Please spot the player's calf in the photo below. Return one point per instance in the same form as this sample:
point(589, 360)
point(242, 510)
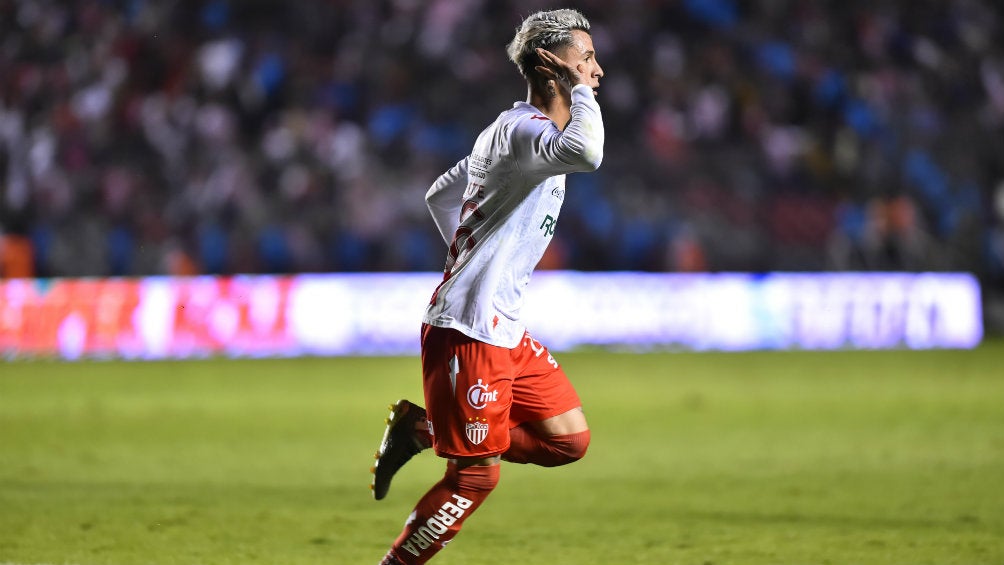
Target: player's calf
point(438, 516)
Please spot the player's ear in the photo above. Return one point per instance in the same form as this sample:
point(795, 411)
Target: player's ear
point(538, 80)
point(533, 61)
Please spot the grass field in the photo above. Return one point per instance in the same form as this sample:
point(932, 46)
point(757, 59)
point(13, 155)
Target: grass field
point(754, 458)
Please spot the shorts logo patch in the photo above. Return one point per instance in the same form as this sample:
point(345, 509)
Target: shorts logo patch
point(477, 430)
point(478, 396)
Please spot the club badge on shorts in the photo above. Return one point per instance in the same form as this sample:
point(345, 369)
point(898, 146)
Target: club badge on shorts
point(477, 430)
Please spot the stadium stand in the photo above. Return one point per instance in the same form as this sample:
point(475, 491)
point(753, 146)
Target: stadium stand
point(141, 138)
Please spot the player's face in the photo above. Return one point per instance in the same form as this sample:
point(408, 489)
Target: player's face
point(581, 55)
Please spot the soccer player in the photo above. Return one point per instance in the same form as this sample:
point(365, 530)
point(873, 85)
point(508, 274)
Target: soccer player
point(492, 391)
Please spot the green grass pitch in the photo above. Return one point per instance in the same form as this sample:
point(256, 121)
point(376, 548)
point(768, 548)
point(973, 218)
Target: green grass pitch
point(749, 458)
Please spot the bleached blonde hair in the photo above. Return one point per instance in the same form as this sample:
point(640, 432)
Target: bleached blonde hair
point(547, 30)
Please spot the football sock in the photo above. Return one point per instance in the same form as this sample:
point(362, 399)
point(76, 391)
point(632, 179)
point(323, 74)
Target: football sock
point(440, 513)
point(526, 446)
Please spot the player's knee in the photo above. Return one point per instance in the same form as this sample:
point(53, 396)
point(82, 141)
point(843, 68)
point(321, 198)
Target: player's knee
point(481, 478)
point(569, 448)
point(579, 445)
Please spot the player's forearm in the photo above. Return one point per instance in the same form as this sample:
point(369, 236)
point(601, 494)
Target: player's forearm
point(445, 217)
point(581, 141)
point(445, 197)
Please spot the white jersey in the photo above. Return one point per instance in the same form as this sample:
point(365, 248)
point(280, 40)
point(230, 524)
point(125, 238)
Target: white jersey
point(497, 209)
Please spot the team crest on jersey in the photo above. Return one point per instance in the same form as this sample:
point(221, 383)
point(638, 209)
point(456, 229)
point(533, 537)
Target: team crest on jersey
point(478, 396)
point(477, 430)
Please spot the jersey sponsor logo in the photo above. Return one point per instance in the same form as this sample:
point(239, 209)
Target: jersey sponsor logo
point(437, 525)
point(478, 396)
point(548, 225)
point(476, 430)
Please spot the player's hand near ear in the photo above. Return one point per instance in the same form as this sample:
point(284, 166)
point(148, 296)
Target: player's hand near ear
point(555, 68)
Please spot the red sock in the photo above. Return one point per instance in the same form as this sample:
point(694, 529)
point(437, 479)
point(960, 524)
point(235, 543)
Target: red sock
point(440, 513)
point(527, 447)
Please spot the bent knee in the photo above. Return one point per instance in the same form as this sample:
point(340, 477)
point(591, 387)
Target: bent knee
point(569, 448)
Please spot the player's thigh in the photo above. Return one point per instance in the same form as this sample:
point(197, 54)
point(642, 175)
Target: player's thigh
point(543, 395)
point(571, 422)
point(468, 394)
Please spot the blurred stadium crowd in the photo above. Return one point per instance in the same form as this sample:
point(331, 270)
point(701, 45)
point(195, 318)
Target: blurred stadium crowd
point(142, 137)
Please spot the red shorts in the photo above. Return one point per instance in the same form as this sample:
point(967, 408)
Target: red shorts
point(475, 392)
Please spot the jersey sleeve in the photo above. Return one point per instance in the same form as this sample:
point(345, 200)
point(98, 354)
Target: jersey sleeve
point(542, 149)
point(445, 198)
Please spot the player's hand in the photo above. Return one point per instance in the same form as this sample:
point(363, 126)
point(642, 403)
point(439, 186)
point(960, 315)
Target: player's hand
point(555, 68)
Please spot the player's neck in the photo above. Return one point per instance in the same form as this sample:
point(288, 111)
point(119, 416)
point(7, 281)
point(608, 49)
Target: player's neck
point(557, 108)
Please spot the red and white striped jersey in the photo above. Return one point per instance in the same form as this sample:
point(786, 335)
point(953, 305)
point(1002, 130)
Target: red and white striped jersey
point(497, 210)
